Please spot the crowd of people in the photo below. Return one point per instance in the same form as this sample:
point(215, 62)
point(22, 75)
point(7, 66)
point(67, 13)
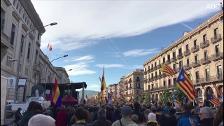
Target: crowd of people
point(121, 115)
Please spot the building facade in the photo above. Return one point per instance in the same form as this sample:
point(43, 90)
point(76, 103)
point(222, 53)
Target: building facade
point(62, 75)
point(132, 85)
point(21, 56)
point(199, 52)
point(113, 90)
point(19, 45)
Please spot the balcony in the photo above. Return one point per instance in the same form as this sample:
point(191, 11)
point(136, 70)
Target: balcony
point(180, 56)
point(216, 39)
point(217, 56)
point(195, 49)
point(205, 60)
point(205, 80)
point(204, 44)
point(173, 59)
point(196, 64)
point(158, 66)
point(187, 67)
point(187, 52)
point(168, 62)
point(218, 78)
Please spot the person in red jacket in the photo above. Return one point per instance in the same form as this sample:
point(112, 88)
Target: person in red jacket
point(61, 117)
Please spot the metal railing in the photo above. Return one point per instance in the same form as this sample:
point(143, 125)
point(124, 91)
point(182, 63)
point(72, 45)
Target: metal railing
point(195, 48)
point(216, 39)
point(187, 52)
point(204, 44)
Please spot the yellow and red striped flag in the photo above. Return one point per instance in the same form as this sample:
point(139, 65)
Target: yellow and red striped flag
point(215, 101)
point(167, 70)
point(186, 85)
point(56, 92)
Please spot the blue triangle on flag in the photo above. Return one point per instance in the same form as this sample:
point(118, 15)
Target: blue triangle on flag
point(181, 75)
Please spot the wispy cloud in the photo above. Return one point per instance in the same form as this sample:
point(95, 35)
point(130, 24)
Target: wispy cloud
point(119, 18)
point(139, 52)
point(110, 65)
point(84, 58)
point(78, 69)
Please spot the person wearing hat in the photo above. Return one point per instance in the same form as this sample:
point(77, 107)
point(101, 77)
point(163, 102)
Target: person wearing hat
point(126, 120)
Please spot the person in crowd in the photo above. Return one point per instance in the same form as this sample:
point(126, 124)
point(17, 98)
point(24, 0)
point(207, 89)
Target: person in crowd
point(138, 111)
point(186, 119)
point(152, 121)
point(218, 120)
point(18, 115)
point(126, 112)
point(135, 118)
point(61, 117)
point(117, 114)
point(33, 109)
point(206, 116)
point(101, 119)
point(41, 120)
point(82, 117)
point(168, 116)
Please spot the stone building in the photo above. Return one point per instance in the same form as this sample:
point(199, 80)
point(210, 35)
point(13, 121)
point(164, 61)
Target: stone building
point(199, 52)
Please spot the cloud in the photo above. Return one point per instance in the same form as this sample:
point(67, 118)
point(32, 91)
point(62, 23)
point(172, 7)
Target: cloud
point(83, 22)
point(78, 69)
point(110, 65)
point(139, 52)
point(85, 58)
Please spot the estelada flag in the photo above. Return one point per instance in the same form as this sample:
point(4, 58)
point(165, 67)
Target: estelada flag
point(186, 85)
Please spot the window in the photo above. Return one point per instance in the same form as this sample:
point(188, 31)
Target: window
point(156, 74)
point(207, 75)
point(196, 58)
point(9, 61)
point(195, 43)
point(197, 76)
point(174, 55)
point(174, 81)
point(159, 72)
point(13, 31)
point(180, 51)
point(180, 64)
point(219, 71)
point(36, 56)
point(164, 83)
point(155, 64)
point(148, 87)
point(188, 62)
point(2, 19)
point(205, 54)
point(168, 57)
point(22, 43)
point(169, 82)
point(204, 37)
point(187, 48)
point(215, 32)
point(216, 49)
point(28, 53)
point(163, 59)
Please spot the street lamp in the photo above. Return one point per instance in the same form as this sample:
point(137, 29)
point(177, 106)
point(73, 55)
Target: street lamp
point(59, 58)
point(17, 78)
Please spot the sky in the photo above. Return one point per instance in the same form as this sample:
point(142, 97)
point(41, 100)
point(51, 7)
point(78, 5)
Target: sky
point(119, 35)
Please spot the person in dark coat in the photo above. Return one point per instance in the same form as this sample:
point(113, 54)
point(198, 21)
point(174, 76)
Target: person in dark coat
point(206, 116)
point(18, 115)
point(33, 109)
point(101, 119)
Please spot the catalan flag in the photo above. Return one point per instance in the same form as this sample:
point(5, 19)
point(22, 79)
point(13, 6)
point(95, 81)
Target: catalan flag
point(186, 85)
point(215, 101)
point(167, 70)
point(56, 95)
